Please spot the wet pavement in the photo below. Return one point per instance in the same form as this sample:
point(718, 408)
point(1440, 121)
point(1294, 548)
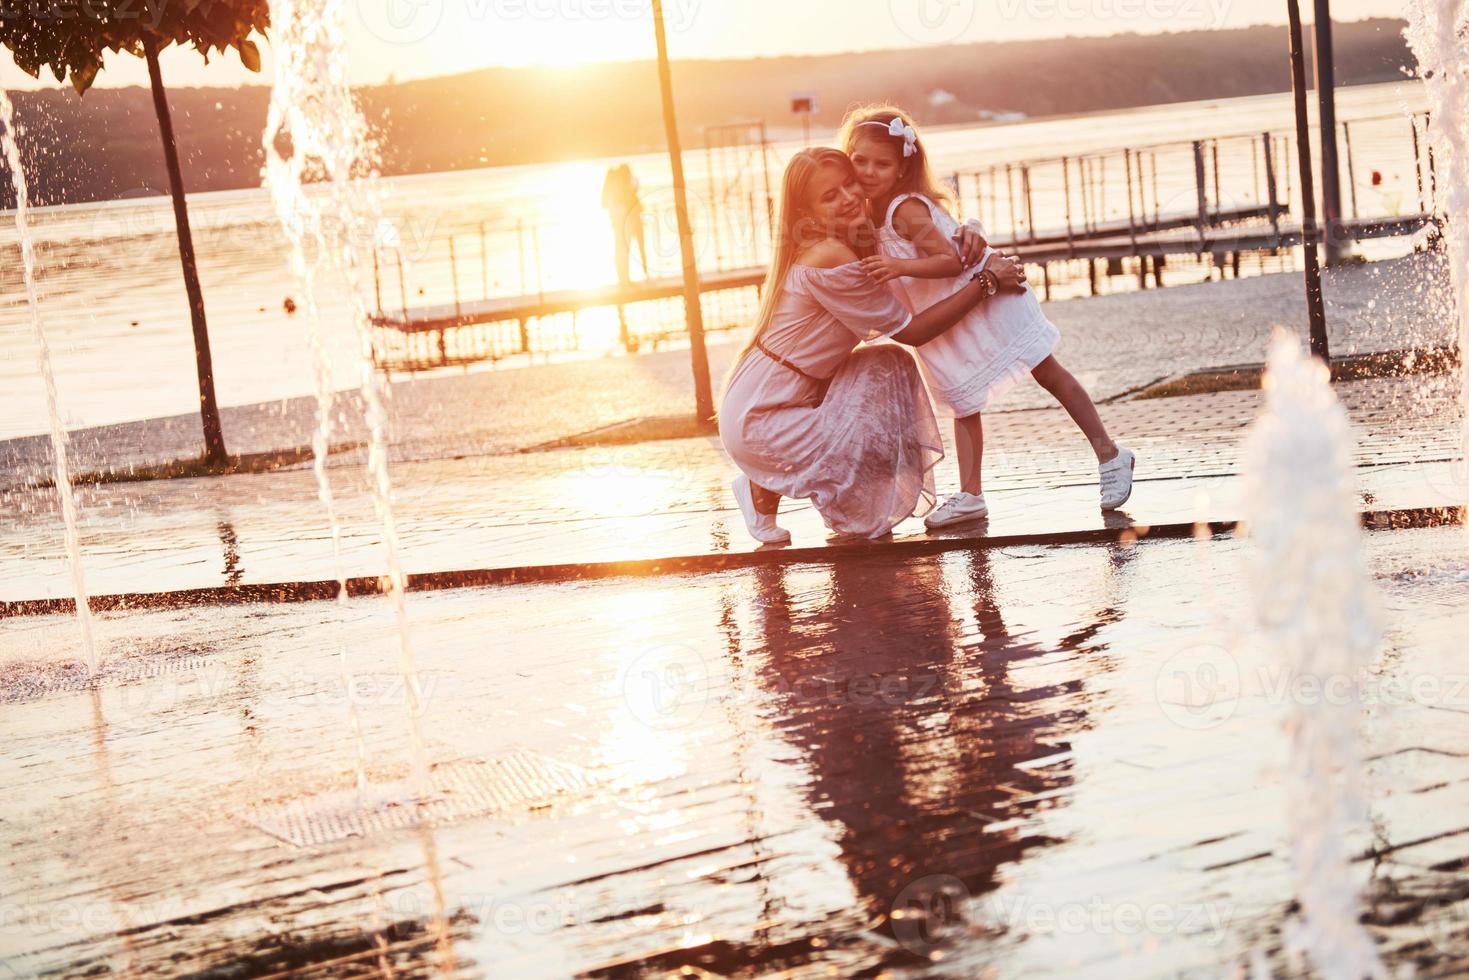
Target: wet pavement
point(1023, 761)
point(969, 755)
point(652, 502)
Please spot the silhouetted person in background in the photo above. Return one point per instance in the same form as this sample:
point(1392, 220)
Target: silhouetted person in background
point(625, 211)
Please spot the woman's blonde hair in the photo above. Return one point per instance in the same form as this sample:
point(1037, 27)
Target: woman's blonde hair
point(793, 231)
point(917, 177)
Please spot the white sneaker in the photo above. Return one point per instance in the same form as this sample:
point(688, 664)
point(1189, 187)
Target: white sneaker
point(958, 509)
point(762, 527)
point(1116, 476)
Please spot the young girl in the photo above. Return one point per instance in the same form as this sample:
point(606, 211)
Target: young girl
point(999, 342)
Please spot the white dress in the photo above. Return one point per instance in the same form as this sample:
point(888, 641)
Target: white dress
point(981, 357)
point(809, 415)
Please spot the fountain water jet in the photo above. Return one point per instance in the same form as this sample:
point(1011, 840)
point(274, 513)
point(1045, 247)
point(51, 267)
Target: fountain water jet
point(1438, 33)
point(314, 114)
point(9, 143)
point(1314, 605)
point(285, 175)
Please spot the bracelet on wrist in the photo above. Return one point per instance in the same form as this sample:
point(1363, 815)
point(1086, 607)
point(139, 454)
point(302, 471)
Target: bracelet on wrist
point(988, 281)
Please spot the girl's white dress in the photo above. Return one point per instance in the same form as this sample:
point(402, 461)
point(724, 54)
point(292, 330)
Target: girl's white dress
point(809, 415)
point(973, 363)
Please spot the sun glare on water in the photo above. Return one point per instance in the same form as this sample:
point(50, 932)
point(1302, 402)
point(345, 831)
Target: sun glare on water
point(576, 246)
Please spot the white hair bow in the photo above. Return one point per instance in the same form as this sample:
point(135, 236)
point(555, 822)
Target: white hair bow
point(910, 139)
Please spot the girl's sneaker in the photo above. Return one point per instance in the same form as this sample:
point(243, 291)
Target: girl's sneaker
point(959, 509)
point(1117, 478)
point(762, 527)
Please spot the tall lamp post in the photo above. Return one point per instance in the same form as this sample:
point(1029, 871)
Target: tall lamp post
point(693, 313)
point(1310, 234)
point(1336, 244)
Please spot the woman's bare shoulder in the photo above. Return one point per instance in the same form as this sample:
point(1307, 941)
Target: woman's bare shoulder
point(827, 254)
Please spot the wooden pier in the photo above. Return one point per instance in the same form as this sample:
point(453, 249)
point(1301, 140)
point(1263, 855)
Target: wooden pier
point(504, 309)
point(1224, 244)
point(1210, 202)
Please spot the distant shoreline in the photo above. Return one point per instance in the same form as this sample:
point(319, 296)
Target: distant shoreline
point(218, 193)
point(457, 122)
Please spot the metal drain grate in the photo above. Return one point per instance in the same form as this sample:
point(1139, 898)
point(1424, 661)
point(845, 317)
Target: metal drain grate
point(29, 681)
point(520, 781)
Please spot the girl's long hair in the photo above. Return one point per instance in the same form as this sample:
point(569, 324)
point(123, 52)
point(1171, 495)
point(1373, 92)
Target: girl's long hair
point(918, 177)
point(794, 229)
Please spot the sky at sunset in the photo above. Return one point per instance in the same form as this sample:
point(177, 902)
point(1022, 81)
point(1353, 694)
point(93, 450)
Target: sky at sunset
point(417, 38)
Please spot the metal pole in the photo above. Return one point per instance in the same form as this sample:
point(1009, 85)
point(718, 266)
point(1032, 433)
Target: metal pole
point(520, 247)
point(1336, 244)
point(1066, 190)
point(769, 197)
point(754, 230)
point(1346, 133)
point(1218, 198)
point(1084, 177)
point(709, 159)
point(377, 284)
point(1432, 168)
point(454, 276)
point(1418, 164)
point(535, 244)
point(1142, 191)
point(484, 264)
point(1131, 220)
point(1255, 170)
point(1270, 187)
point(703, 395)
point(1203, 193)
point(1309, 232)
point(1285, 161)
point(1029, 203)
point(1157, 198)
point(402, 284)
point(1010, 193)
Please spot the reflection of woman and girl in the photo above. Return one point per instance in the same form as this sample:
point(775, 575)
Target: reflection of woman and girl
point(809, 413)
point(905, 692)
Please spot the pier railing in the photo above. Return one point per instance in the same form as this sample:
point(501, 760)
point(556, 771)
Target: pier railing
point(1089, 222)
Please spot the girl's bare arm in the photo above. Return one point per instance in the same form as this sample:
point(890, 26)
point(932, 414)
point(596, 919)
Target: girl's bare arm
point(938, 258)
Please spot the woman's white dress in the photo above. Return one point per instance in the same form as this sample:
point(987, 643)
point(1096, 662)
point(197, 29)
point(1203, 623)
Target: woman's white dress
point(862, 447)
point(981, 357)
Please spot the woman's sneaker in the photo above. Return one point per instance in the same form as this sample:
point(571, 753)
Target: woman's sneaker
point(1116, 476)
point(762, 527)
point(959, 509)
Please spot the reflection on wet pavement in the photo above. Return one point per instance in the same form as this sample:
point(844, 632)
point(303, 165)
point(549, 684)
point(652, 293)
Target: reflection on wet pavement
point(1024, 760)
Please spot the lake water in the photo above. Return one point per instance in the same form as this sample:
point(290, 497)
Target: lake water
point(115, 309)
